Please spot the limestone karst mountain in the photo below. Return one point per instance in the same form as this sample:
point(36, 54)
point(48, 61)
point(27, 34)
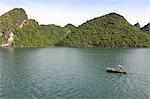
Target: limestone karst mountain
point(110, 30)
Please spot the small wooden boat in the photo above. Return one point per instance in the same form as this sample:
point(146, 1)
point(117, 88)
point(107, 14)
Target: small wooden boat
point(116, 70)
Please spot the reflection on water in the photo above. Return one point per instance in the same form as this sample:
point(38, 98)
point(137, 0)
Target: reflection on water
point(70, 73)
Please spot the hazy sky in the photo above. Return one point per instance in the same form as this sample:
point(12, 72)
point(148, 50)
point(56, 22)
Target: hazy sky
point(61, 12)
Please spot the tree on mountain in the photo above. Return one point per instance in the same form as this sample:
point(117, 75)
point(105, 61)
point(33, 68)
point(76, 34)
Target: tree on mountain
point(137, 25)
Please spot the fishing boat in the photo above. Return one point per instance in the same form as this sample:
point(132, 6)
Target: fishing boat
point(116, 70)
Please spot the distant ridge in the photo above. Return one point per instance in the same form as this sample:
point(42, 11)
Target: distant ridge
point(110, 30)
point(146, 28)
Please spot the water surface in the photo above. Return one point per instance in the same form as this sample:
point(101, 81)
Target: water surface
point(73, 73)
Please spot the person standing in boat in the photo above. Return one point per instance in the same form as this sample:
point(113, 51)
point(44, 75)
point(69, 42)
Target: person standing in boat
point(121, 67)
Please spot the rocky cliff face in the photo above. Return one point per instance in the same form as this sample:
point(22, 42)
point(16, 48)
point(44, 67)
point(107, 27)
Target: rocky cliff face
point(8, 22)
point(9, 38)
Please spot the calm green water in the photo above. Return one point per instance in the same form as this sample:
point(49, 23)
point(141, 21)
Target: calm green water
point(73, 73)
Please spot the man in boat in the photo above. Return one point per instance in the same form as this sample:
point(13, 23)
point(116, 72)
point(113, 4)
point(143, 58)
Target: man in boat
point(121, 67)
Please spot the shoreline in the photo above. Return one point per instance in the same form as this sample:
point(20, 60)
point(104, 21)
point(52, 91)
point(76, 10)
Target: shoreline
point(73, 47)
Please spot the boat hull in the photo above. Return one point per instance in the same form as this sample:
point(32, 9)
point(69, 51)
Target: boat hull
point(116, 70)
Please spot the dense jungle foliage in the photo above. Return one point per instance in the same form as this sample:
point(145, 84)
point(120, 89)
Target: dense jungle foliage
point(110, 30)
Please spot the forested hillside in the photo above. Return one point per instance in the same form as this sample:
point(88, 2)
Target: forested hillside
point(110, 30)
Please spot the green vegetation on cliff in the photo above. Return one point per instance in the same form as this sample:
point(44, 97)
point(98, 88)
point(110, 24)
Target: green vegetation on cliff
point(137, 25)
point(32, 34)
point(28, 33)
point(146, 29)
point(111, 30)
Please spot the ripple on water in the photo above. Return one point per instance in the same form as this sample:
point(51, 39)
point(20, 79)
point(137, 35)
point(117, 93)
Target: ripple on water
point(64, 73)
